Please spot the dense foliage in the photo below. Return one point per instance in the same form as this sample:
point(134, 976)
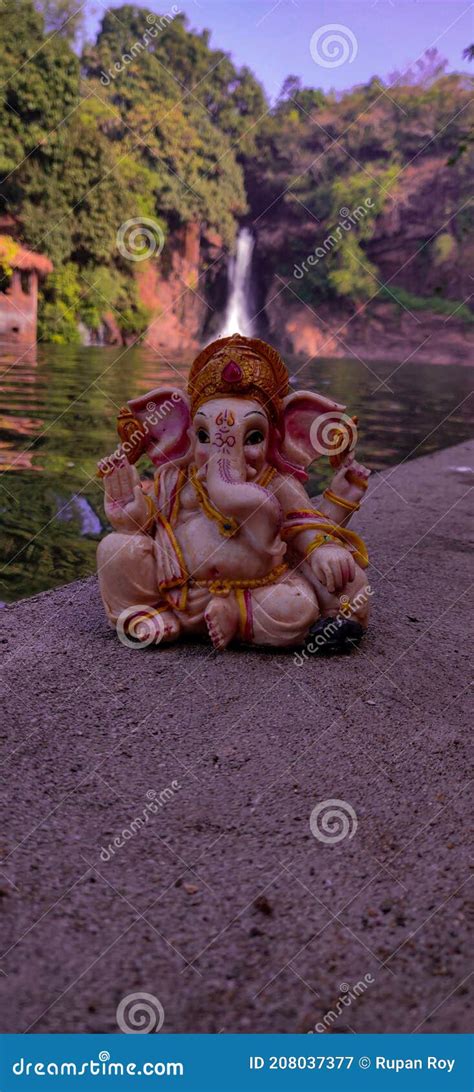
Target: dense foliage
point(153, 122)
point(81, 152)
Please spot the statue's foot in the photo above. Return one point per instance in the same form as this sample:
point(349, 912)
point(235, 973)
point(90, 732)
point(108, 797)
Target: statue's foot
point(159, 628)
point(222, 619)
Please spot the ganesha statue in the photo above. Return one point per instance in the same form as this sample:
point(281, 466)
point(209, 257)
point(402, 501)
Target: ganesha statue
point(228, 545)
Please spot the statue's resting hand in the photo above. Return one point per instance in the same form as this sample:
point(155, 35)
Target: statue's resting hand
point(333, 565)
point(125, 504)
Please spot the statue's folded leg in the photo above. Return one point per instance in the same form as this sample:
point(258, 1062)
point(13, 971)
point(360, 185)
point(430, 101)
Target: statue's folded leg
point(128, 578)
point(281, 614)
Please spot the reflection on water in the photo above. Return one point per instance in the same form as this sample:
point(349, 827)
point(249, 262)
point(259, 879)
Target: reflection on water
point(57, 418)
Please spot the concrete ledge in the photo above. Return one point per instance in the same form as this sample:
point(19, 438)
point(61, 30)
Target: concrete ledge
point(223, 904)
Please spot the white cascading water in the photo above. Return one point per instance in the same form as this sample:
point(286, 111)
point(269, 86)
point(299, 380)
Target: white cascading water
point(238, 315)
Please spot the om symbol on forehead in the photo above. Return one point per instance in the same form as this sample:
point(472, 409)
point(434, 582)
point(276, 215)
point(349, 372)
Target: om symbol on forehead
point(223, 438)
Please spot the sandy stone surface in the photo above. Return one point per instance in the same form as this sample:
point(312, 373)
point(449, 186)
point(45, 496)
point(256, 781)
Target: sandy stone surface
point(224, 905)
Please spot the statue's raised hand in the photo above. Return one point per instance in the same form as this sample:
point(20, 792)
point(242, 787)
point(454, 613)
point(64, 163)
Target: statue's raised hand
point(125, 504)
point(351, 480)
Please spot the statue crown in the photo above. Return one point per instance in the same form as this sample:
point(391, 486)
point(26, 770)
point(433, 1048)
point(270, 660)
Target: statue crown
point(244, 366)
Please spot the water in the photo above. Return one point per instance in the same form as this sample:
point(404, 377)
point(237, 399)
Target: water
point(238, 311)
point(57, 418)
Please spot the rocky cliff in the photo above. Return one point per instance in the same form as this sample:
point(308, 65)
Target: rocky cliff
point(183, 288)
point(423, 252)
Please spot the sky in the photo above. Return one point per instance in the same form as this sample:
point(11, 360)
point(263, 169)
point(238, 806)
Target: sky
point(328, 43)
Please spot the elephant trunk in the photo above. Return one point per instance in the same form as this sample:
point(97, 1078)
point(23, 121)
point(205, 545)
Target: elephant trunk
point(247, 502)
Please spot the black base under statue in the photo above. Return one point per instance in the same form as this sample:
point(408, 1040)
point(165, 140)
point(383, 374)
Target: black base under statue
point(331, 635)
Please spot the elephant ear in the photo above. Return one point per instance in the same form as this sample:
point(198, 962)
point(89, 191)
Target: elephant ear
point(310, 426)
point(157, 423)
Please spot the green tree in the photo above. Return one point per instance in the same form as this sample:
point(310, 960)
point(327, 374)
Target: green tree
point(63, 17)
point(40, 88)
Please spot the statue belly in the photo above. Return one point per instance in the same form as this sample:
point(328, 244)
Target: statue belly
point(209, 555)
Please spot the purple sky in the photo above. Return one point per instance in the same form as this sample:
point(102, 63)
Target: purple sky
point(273, 36)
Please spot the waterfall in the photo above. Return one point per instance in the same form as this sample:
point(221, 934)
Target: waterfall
point(237, 318)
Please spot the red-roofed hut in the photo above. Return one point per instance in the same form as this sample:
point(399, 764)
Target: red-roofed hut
point(20, 270)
